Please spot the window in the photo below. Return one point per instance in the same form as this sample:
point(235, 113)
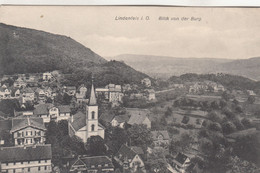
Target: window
point(93, 127)
point(39, 161)
point(28, 162)
point(26, 133)
point(29, 169)
point(31, 133)
point(39, 168)
point(35, 133)
point(14, 171)
point(45, 161)
point(45, 167)
point(14, 163)
point(93, 114)
point(21, 162)
point(22, 134)
point(6, 164)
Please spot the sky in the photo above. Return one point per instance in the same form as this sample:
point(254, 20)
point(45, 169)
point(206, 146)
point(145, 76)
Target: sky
point(232, 33)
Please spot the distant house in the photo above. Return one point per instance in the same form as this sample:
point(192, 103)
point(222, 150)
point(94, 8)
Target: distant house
point(182, 162)
point(47, 76)
point(251, 92)
point(19, 83)
point(70, 90)
point(81, 94)
point(120, 120)
point(150, 94)
point(28, 94)
point(50, 112)
point(111, 93)
point(5, 93)
point(36, 159)
point(178, 86)
point(129, 158)
point(97, 164)
point(160, 137)
point(146, 82)
point(138, 116)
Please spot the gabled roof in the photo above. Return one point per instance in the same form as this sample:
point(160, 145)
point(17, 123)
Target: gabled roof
point(64, 108)
point(164, 133)
point(126, 152)
point(79, 121)
point(137, 150)
point(42, 109)
point(107, 117)
point(20, 153)
point(122, 118)
point(137, 119)
point(20, 123)
point(94, 162)
point(181, 158)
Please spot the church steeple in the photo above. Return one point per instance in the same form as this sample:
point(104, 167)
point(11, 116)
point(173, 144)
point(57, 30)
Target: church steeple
point(92, 98)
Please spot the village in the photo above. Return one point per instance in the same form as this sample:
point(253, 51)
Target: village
point(46, 126)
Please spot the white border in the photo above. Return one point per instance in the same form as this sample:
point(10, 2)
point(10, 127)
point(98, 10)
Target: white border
point(202, 3)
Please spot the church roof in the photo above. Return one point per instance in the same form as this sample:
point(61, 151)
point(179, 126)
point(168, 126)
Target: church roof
point(79, 121)
point(92, 99)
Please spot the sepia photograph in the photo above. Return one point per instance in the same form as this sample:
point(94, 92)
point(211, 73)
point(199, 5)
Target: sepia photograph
point(129, 89)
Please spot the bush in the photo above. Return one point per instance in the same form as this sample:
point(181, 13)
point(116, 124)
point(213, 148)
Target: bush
point(185, 120)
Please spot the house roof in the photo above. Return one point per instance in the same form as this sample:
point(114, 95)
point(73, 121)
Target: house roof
point(122, 118)
point(107, 117)
point(181, 158)
point(42, 109)
point(164, 133)
point(20, 153)
point(94, 162)
point(126, 152)
point(27, 90)
point(79, 121)
point(137, 150)
point(64, 108)
point(20, 123)
point(137, 116)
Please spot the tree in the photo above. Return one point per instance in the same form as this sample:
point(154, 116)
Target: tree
point(140, 135)
point(156, 162)
point(215, 116)
point(215, 127)
point(118, 137)
point(168, 112)
point(185, 120)
point(251, 99)
point(228, 127)
point(95, 146)
point(246, 122)
point(237, 165)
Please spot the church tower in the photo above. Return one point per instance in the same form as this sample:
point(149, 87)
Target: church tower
point(92, 115)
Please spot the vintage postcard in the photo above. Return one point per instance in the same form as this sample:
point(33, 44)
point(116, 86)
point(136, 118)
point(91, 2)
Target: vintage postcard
point(129, 89)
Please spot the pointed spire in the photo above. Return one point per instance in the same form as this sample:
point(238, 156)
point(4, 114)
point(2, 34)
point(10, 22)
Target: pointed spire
point(92, 98)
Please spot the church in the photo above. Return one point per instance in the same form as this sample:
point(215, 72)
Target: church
point(86, 125)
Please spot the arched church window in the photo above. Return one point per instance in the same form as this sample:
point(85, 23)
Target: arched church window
point(92, 127)
point(93, 114)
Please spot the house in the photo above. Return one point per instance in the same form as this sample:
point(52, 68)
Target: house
point(41, 97)
point(47, 76)
point(19, 83)
point(128, 157)
point(160, 137)
point(138, 116)
point(81, 94)
point(146, 82)
point(181, 162)
point(120, 120)
point(50, 112)
point(115, 93)
point(111, 92)
point(28, 94)
point(28, 131)
point(250, 92)
point(35, 159)
point(149, 94)
point(70, 90)
point(97, 164)
point(5, 93)
point(86, 125)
